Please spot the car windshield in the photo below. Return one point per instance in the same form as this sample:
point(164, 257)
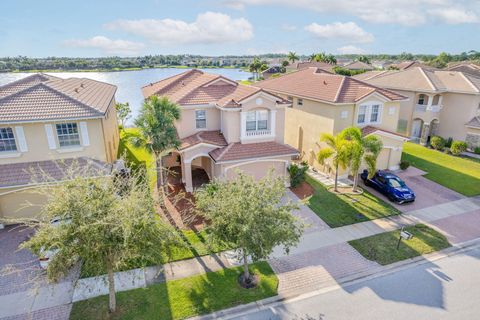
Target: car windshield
point(396, 182)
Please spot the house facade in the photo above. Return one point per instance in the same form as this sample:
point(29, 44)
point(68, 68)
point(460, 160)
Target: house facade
point(329, 103)
point(443, 103)
point(225, 127)
point(47, 125)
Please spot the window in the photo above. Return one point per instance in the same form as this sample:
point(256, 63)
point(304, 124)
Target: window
point(300, 102)
point(374, 113)
point(200, 119)
point(67, 134)
point(421, 99)
point(7, 140)
point(257, 120)
point(362, 112)
point(344, 115)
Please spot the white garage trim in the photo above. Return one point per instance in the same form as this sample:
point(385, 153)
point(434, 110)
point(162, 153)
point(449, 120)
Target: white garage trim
point(260, 159)
point(225, 170)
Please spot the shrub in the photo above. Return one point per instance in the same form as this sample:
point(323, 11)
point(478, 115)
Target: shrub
point(448, 142)
point(437, 142)
point(297, 174)
point(458, 147)
point(446, 150)
point(476, 150)
point(404, 164)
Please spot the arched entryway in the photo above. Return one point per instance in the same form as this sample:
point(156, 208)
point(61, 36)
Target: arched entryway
point(416, 132)
point(197, 171)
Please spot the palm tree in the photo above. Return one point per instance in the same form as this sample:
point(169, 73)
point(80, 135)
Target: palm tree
point(292, 57)
point(337, 150)
point(156, 123)
point(361, 149)
point(312, 57)
point(255, 67)
point(331, 59)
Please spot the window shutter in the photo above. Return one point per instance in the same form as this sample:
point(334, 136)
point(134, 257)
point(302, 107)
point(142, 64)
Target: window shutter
point(22, 142)
point(50, 137)
point(84, 132)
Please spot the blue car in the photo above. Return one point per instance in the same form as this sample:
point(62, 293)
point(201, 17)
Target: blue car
point(390, 185)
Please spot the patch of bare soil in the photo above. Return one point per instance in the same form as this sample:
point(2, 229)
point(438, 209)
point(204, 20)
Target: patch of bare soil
point(303, 190)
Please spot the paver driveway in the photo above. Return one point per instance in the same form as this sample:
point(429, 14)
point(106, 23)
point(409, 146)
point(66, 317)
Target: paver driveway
point(428, 193)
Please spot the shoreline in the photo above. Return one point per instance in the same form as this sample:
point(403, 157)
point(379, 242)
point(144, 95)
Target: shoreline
point(115, 69)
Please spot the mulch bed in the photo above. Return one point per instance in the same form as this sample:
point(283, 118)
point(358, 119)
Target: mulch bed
point(303, 190)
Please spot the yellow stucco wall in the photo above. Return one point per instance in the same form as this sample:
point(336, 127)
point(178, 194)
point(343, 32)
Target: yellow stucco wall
point(458, 109)
point(20, 203)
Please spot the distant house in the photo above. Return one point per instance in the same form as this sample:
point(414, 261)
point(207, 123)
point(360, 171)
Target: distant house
point(273, 70)
point(310, 64)
point(465, 67)
point(405, 65)
point(358, 65)
point(442, 102)
point(47, 124)
point(225, 127)
point(328, 103)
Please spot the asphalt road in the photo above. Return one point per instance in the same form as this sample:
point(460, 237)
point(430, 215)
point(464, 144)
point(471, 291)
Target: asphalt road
point(448, 288)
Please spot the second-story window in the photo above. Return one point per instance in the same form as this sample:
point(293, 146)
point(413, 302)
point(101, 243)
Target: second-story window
point(7, 140)
point(375, 112)
point(200, 119)
point(421, 99)
point(362, 112)
point(300, 102)
point(67, 134)
point(257, 120)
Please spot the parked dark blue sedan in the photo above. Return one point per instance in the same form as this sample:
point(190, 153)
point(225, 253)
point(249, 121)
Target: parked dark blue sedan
point(390, 185)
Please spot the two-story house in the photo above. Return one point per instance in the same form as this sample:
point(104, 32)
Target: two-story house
point(47, 125)
point(328, 103)
point(442, 102)
point(224, 127)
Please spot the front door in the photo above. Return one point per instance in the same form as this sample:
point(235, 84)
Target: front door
point(417, 129)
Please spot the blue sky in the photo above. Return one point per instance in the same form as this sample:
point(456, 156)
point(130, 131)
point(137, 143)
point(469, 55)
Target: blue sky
point(216, 27)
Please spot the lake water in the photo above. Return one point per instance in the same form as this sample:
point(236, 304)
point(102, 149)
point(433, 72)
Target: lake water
point(130, 82)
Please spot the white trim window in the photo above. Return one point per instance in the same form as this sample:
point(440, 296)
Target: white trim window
point(200, 119)
point(7, 140)
point(369, 114)
point(67, 134)
point(300, 102)
point(257, 120)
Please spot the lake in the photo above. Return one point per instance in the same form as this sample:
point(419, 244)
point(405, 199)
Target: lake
point(130, 82)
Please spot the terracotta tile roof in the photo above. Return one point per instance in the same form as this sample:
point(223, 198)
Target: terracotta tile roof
point(211, 137)
point(42, 97)
point(240, 151)
point(312, 64)
point(425, 79)
point(371, 129)
point(314, 84)
point(196, 87)
point(474, 122)
point(20, 174)
point(411, 64)
point(358, 65)
point(468, 68)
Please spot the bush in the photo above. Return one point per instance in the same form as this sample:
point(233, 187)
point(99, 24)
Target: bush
point(437, 142)
point(476, 150)
point(448, 142)
point(458, 147)
point(404, 164)
point(297, 174)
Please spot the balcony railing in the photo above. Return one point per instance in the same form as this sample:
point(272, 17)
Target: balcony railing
point(257, 133)
point(425, 108)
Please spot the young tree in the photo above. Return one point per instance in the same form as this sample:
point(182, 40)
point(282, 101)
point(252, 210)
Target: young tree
point(336, 150)
point(123, 112)
point(105, 222)
point(364, 59)
point(156, 123)
point(361, 149)
point(250, 215)
point(292, 57)
point(255, 67)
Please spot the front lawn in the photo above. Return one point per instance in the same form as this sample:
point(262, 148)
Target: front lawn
point(340, 210)
point(382, 248)
point(183, 298)
point(461, 174)
point(195, 245)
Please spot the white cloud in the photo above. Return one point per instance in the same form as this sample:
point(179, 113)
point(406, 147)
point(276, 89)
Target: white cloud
point(232, 4)
point(350, 49)
point(454, 15)
point(123, 47)
point(348, 31)
point(209, 27)
point(403, 12)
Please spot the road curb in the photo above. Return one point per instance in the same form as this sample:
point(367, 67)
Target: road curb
point(343, 282)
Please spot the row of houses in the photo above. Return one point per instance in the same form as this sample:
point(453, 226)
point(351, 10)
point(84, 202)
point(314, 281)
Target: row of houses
point(46, 123)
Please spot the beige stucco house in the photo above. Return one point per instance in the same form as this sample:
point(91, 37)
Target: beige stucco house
point(46, 125)
point(441, 102)
point(328, 103)
point(224, 127)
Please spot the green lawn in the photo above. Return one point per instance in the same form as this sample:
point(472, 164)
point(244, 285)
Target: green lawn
point(195, 245)
point(382, 248)
point(460, 174)
point(179, 299)
point(340, 210)
point(137, 158)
